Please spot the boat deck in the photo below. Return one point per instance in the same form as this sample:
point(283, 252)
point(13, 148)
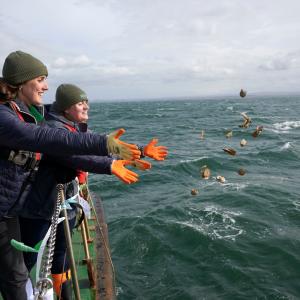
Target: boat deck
point(100, 256)
point(95, 279)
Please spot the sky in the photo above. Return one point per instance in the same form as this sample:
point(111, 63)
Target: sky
point(148, 49)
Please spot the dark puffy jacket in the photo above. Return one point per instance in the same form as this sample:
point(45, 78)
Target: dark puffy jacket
point(18, 135)
point(41, 198)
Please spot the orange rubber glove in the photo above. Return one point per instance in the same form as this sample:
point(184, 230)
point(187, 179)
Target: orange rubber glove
point(118, 169)
point(157, 153)
point(124, 150)
point(141, 164)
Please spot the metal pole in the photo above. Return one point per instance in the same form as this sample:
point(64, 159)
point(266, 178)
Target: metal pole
point(70, 251)
point(88, 260)
point(86, 197)
point(87, 230)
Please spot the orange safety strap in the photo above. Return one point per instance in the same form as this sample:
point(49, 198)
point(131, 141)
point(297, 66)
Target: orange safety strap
point(71, 128)
point(14, 107)
point(81, 175)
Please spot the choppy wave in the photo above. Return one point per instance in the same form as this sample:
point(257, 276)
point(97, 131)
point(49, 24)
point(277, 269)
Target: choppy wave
point(216, 223)
point(165, 239)
point(277, 154)
point(119, 290)
point(235, 186)
point(297, 204)
point(287, 145)
point(193, 160)
point(156, 115)
point(286, 126)
point(167, 109)
point(228, 186)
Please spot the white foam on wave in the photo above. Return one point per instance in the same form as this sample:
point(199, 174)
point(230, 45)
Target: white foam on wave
point(229, 108)
point(286, 126)
point(157, 115)
point(167, 109)
point(297, 204)
point(286, 146)
point(232, 186)
point(235, 186)
point(228, 185)
point(119, 290)
point(215, 223)
point(193, 160)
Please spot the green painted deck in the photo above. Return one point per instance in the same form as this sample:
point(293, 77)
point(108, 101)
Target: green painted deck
point(99, 252)
point(79, 254)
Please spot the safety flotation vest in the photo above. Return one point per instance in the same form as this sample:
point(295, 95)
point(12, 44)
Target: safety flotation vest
point(27, 159)
point(81, 175)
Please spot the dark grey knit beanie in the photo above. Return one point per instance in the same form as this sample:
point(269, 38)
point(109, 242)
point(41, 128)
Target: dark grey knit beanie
point(66, 96)
point(20, 67)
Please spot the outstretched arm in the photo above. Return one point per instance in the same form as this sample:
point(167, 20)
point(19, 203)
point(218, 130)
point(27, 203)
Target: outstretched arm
point(87, 163)
point(18, 135)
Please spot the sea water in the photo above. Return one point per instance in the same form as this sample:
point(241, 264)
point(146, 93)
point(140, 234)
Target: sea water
point(237, 240)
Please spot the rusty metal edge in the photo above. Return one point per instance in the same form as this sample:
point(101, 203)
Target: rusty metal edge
point(105, 285)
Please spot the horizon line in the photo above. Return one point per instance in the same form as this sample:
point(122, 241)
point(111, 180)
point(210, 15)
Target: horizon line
point(209, 96)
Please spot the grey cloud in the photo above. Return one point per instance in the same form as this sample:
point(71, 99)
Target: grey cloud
point(281, 63)
point(163, 47)
point(73, 63)
point(275, 65)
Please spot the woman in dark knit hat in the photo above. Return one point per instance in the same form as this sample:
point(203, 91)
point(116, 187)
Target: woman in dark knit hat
point(21, 141)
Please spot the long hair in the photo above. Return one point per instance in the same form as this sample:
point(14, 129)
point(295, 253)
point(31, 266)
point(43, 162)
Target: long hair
point(7, 91)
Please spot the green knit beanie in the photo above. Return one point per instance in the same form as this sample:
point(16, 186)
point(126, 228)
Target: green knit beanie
point(66, 96)
point(20, 67)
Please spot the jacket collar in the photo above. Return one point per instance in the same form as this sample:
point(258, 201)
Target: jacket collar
point(24, 108)
point(82, 127)
point(61, 118)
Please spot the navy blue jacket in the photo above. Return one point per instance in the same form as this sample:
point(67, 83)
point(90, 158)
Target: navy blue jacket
point(18, 135)
point(39, 203)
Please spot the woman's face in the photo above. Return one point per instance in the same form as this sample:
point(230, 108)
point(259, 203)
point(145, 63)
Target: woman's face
point(78, 112)
point(32, 91)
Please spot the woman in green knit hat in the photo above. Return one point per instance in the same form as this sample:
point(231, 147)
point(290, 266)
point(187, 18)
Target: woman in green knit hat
point(24, 77)
point(67, 113)
point(28, 75)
